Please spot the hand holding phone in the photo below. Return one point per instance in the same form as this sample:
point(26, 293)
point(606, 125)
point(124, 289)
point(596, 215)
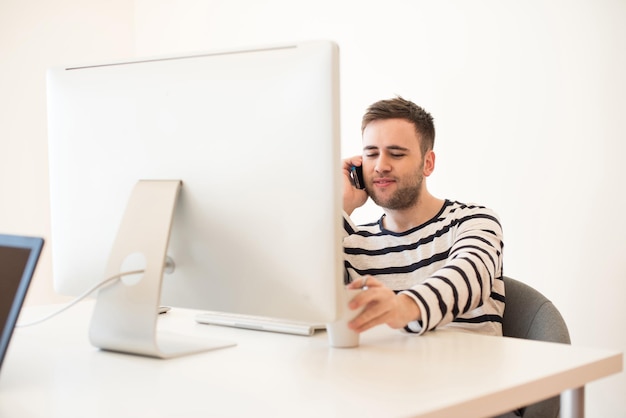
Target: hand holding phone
point(356, 174)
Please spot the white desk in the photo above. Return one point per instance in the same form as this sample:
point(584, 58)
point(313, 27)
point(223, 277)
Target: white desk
point(51, 370)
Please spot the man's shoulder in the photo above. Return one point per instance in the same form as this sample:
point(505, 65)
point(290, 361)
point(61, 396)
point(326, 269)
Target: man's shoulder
point(456, 206)
point(459, 210)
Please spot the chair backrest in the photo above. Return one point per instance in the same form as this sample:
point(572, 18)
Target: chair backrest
point(530, 315)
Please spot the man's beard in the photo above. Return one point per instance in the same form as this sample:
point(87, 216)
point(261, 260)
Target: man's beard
point(404, 197)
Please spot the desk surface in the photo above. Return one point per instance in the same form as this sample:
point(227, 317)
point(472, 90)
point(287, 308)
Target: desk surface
point(51, 370)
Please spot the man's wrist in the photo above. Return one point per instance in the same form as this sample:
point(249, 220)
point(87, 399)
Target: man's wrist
point(410, 308)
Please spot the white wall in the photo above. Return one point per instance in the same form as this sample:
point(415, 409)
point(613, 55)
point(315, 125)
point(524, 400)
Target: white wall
point(528, 99)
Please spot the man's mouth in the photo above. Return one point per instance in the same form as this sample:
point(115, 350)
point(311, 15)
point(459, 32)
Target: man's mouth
point(383, 182)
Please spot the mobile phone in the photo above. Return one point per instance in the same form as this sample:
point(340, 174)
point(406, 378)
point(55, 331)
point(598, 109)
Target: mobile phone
point(356, 173)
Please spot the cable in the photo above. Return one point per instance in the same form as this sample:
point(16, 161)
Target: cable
point(79, 298)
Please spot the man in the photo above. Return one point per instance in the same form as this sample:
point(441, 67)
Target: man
point(427, 262)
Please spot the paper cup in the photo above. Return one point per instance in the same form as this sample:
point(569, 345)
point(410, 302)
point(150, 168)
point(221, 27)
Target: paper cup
point(339, 335)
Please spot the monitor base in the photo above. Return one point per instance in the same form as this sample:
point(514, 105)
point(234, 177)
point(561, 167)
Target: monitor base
point(125, 316)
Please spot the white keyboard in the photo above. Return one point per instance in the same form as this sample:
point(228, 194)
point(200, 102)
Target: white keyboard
point(260, 323)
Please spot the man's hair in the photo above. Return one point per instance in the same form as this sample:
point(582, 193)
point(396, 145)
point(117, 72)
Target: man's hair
point(399, 108)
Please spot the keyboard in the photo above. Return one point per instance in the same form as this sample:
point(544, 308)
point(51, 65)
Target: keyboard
point(260, 323)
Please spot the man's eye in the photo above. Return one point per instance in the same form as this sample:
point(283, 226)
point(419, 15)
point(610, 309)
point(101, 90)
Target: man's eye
point(370, 154)
point(396, 155)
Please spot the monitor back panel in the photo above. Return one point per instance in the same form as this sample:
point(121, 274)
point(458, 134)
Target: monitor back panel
point(254, 137)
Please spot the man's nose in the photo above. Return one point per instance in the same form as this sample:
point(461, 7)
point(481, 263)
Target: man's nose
point(382, 165)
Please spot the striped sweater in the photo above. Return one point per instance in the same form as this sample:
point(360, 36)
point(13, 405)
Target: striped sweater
point(451, 266)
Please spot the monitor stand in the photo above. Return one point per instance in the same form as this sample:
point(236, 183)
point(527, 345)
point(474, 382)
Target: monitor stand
point(126, 311)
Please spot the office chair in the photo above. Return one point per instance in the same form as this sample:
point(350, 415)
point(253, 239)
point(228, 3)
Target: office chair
point(530, 315)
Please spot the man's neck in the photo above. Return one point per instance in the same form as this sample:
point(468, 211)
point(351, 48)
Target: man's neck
point(424, 210)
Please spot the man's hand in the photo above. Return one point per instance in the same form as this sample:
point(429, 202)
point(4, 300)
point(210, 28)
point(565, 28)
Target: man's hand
point(352, 197)
point(382, 306)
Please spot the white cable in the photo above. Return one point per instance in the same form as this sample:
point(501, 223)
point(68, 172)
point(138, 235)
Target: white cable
point(81, 297)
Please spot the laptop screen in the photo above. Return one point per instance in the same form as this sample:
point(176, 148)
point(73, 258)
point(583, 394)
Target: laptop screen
point(18, 259)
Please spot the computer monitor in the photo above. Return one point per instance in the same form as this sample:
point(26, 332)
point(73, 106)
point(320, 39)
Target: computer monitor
point(252, 134)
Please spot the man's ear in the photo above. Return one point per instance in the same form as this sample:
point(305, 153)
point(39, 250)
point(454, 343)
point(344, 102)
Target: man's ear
point(429, 163)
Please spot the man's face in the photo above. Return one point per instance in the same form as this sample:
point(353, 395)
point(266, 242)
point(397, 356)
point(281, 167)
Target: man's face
point(393, 166)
